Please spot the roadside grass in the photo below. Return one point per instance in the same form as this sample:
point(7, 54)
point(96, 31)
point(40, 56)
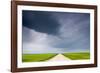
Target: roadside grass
point(77, 55)
point(37, 57)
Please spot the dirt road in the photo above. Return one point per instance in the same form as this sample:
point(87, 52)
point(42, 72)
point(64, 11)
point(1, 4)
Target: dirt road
point(59, 57)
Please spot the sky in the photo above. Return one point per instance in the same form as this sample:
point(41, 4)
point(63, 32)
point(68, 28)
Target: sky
point(55, 32)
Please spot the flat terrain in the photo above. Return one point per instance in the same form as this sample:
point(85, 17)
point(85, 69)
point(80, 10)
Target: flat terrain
point(77, 55)
point(55, 57)
point(36, 57)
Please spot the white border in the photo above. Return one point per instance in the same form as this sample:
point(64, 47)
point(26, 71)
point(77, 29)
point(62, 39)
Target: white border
point(55, 63)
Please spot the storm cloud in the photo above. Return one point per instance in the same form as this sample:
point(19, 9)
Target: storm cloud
point(55, 32)
point(40, 21)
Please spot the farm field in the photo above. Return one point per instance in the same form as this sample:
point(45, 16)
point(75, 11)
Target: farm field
point(37, 57)
point(77, 55)
point(48, 56)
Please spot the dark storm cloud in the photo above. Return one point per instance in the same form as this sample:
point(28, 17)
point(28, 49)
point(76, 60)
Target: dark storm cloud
point(56, 32)
point(40, 21)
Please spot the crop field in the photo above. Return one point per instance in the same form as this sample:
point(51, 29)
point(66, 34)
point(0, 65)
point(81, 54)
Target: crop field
point(77, 55)
point(36, 57)
point(44, 57)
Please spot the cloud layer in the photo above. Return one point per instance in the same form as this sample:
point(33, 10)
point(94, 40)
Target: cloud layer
point(55, 32)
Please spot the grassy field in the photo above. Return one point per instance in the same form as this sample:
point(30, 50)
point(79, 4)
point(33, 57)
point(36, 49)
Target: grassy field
point(36, 57)
point(77, 55)
point(44, 57)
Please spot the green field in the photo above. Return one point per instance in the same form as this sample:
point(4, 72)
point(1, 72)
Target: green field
point(77, 55)
point(44, 57)
point(37, 57)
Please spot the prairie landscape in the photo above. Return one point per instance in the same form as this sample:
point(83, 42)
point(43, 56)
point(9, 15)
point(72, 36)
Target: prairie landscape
point(49, 56)
point(55, 35)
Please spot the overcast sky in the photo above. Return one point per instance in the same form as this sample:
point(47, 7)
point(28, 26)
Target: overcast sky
point(55, 32)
